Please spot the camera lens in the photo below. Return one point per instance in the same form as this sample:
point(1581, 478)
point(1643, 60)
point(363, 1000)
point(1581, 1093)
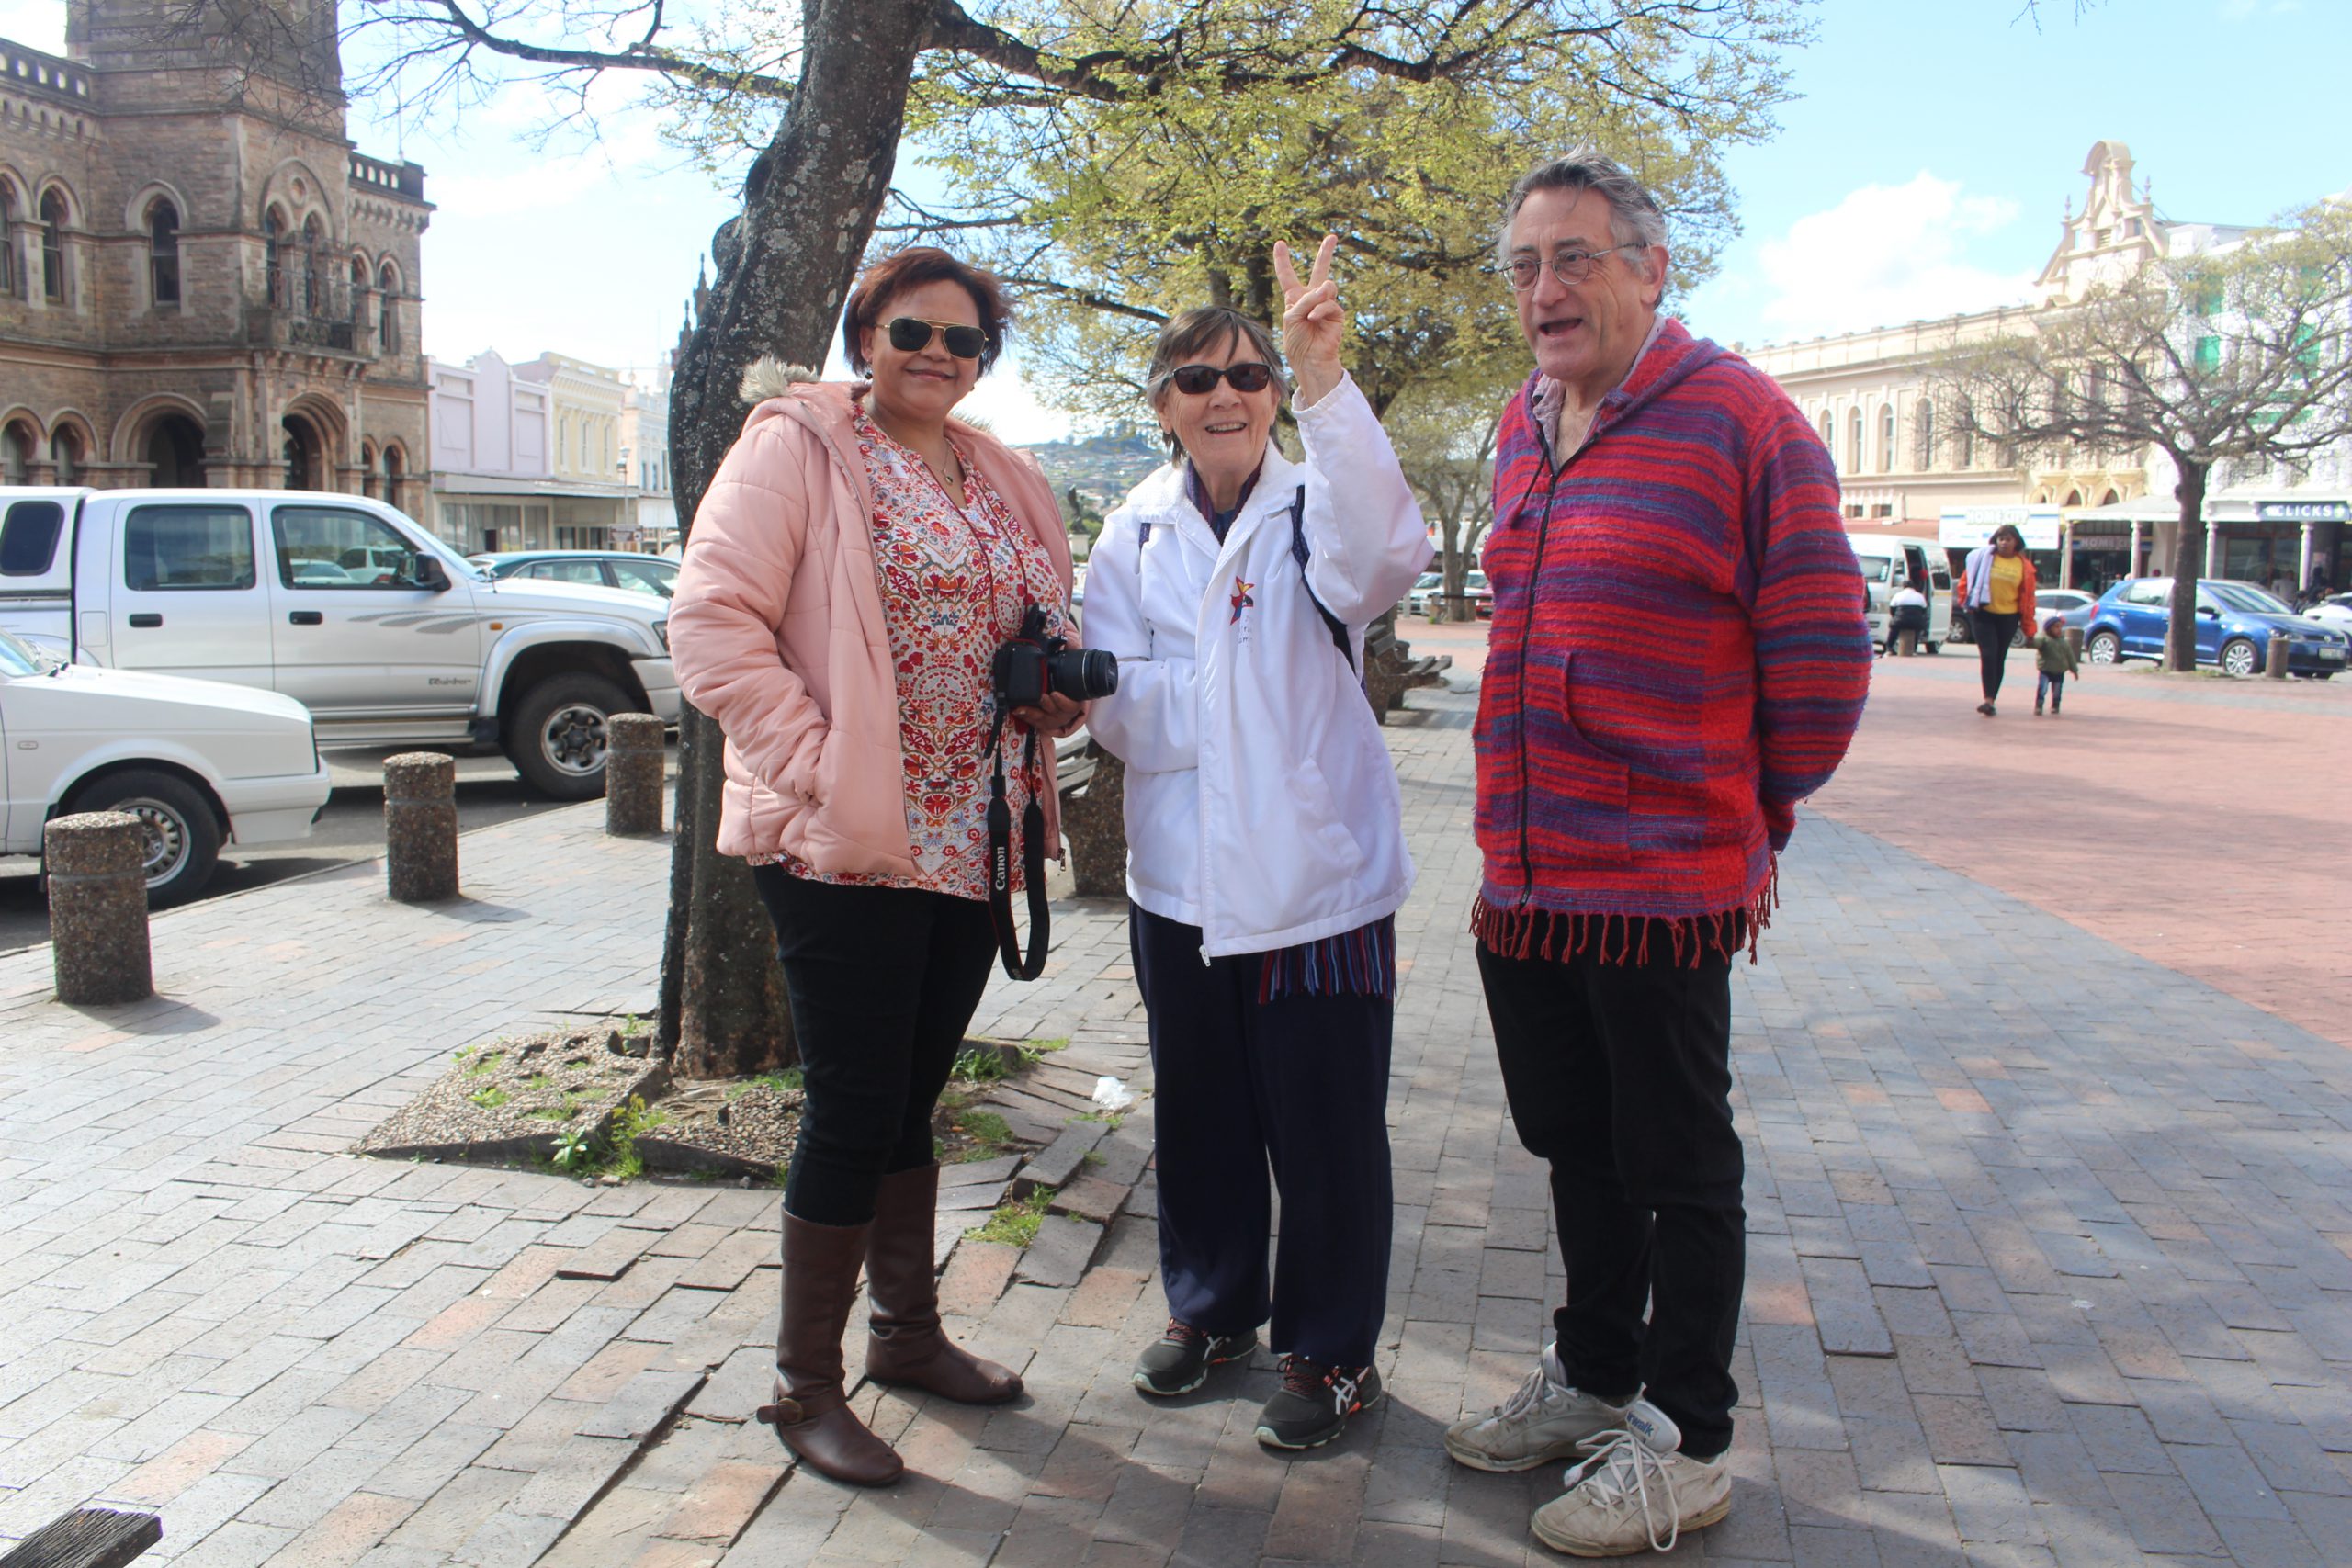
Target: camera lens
point(1083, 675)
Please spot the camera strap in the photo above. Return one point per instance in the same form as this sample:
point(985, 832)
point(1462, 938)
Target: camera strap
point(1033, 861)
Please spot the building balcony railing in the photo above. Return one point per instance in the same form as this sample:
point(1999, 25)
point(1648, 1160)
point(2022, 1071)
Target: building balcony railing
point(44, 75)
point(298, 311)
point(404, 181)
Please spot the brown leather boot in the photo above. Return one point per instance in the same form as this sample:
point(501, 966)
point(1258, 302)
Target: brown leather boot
point(905, 1344)
point(811, 1412)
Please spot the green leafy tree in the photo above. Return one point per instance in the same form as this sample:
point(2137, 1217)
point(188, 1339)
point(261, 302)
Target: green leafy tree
point(1117, 159)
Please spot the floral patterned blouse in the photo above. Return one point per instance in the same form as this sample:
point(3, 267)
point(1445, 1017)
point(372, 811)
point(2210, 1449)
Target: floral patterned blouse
point(956, 576)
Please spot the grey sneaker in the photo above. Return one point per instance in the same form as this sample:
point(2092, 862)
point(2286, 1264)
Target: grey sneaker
point(1632, 1496)
point(1545, 1420)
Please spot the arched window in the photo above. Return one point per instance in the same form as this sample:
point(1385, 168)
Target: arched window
point(163, 252)
point(313, 285)
point(394, 467)
point(388, 314)
point(1854, 443)
point(7, 241)
point(52, 246)
point(272, 258)
point(358, 297)
point(1886, 438)
point(1923, 436)
point(2110, 499)
point(1828, 435)
point(368, 467)
point(2073, 498)
point(15, 453)
point(65, 451)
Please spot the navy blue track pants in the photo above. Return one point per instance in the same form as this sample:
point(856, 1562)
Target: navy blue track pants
point(1298, 1085)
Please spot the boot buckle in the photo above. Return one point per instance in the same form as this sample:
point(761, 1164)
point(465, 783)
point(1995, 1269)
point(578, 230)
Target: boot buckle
point(786, 1412)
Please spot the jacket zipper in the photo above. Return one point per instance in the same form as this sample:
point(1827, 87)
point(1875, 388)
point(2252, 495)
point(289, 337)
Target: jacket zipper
point(1527, 626)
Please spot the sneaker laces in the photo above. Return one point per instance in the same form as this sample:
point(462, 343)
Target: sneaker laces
point(1525, 1398)
point(1183, 1333)
point(1302, 1376)
point(1621, 1469)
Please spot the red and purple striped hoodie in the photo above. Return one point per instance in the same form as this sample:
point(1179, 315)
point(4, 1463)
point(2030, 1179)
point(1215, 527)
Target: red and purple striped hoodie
point(1678, 657)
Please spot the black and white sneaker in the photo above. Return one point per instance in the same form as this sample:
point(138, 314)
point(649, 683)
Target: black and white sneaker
point(1179, 1362)
point(1313, 1406)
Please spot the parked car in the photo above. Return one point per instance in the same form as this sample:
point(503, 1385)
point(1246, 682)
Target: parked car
point(2071, 604)
point(2234, 621)
point(2335, 610)
point(1427, 595)
point(343, 604)
point(200, 763)
point(597, 569)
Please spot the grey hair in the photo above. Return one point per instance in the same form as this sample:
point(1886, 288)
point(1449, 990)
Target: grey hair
point(1634, 216)
point(1194, 333)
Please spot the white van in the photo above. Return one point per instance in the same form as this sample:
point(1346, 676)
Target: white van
point(1887, 563)
point(383, 633)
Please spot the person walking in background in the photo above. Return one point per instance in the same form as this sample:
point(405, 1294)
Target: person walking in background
point(1997, 590)
point(1265, 846)
point(2055, 658)
point(858, 560)
point(1678, 657)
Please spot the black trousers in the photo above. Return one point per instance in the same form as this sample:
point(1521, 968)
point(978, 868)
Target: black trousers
point(883, 982)
point(1619, 1076)
point(1299, 1082)
point(1992, 634)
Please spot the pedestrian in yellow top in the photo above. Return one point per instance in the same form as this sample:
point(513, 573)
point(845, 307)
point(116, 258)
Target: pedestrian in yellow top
point(1997, 587)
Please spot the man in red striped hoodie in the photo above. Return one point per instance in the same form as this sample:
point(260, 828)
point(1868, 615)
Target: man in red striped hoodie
point(1678, 657)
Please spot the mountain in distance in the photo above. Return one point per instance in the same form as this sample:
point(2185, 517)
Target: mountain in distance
point(1093, 474)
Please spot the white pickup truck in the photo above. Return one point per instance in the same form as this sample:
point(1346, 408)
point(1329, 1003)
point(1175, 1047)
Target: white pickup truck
point(386, 635)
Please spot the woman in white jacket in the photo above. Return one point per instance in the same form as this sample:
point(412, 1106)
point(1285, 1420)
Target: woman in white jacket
point(1265, 850)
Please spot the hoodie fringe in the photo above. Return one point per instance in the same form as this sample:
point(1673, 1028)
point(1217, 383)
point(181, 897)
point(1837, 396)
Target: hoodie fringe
point(1525, 931)
point(768, 376)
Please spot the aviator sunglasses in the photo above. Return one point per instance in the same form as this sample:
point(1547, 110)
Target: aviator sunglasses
point(1250, 376)
point(908, 334)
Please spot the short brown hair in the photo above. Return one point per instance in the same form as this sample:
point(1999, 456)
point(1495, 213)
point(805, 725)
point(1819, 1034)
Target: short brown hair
point(912, 268)
point(1194, 333)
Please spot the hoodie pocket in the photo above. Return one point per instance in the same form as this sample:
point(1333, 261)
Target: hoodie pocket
point(1577, 793)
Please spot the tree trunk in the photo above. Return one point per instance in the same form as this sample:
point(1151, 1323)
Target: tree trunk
point(2187, 566)
point(784, 264)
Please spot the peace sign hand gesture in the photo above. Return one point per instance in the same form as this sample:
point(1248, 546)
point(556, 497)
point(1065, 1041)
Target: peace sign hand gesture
point(1312, 323)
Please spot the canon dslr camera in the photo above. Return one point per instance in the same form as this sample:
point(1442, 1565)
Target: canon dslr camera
point(1032, 664)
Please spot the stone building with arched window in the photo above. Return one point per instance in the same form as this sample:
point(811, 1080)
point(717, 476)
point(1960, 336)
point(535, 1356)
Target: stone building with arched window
point(201, 281)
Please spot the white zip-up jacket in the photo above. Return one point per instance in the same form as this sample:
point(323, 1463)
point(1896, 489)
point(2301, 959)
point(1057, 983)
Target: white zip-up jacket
point(1261, 805)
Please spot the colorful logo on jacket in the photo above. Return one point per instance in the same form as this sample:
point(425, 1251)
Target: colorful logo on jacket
point(1241, 600)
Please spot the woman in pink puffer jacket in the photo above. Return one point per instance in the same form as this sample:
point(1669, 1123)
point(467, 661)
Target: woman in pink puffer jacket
point(854, 567)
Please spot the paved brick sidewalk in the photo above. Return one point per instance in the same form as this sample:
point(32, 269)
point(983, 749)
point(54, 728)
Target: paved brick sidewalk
point(2050, 1259)
point(2185, 818)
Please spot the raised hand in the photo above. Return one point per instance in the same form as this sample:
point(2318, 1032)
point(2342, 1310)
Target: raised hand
point(1312, 323)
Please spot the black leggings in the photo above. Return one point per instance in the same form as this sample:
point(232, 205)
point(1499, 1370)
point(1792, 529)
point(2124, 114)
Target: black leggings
point(1992, 634)
point(883, 982)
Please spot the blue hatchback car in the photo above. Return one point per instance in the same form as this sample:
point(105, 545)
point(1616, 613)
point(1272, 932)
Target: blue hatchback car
point(2234, 621)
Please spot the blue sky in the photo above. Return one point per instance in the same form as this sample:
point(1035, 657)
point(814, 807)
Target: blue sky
point(1922, 172)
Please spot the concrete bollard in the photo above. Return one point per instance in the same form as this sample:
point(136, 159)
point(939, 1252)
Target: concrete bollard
point(2278, 669)
point(97, 866)
point(420, 826)
point(2075, 640)
point(1906, 641)
point(633, 767)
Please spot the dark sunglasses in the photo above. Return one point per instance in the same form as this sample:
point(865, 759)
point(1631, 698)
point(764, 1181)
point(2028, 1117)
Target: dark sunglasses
point(1250, 376)
point(908, 334)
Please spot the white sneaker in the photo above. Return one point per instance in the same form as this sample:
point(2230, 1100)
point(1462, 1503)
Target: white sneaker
point(1629, 1497)
point(1545, 1420)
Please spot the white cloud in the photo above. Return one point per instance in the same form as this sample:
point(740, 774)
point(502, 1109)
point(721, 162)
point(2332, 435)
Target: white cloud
point(1885, 255)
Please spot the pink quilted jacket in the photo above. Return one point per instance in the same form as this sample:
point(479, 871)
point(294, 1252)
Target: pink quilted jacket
point(777, 631)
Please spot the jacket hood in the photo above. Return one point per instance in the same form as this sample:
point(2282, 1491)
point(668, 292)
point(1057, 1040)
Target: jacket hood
point(768, 376)
point(1672, 358)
